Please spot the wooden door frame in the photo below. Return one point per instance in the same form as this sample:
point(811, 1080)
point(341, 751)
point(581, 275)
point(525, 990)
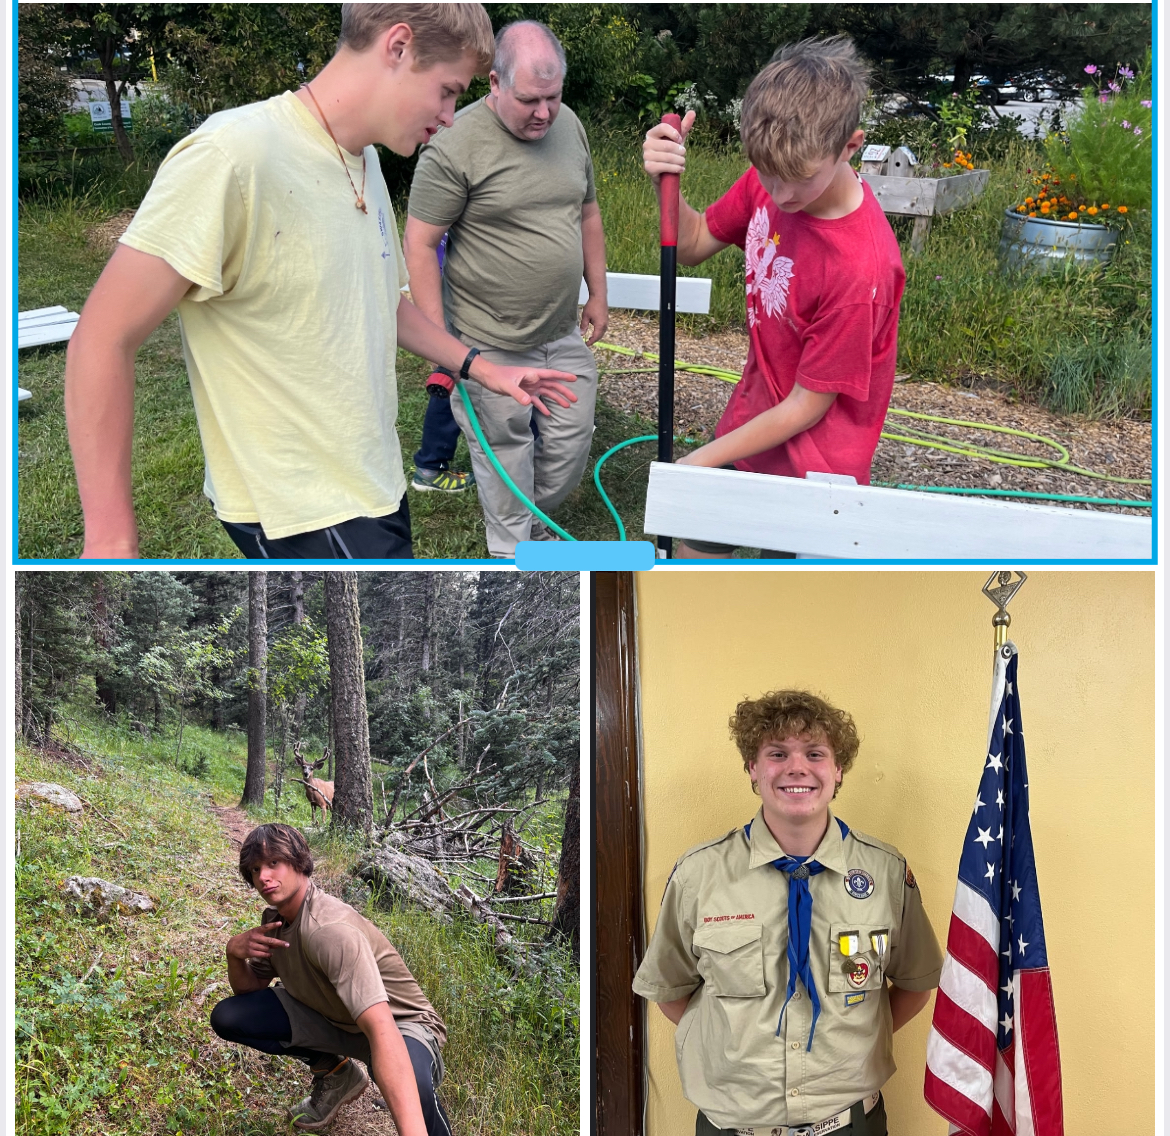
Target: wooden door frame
point(618, 937)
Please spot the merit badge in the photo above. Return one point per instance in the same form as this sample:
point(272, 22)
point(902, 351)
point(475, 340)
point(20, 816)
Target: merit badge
point(879, 940)
point(910, 878)
point(849, 943)
point(853, 999)
point(858, 972)
point(858, 883)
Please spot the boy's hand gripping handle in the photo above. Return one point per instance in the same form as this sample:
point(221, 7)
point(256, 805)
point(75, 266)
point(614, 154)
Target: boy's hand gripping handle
point(668, 197)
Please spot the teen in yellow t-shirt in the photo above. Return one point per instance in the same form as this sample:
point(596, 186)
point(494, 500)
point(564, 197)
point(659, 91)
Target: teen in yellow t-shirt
point(270, 229)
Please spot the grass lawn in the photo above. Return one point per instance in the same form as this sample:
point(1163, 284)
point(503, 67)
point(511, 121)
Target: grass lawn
point(1080, 343)
point(112, 1035)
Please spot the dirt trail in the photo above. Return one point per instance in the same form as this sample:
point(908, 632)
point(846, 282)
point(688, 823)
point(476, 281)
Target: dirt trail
point(360, 1117)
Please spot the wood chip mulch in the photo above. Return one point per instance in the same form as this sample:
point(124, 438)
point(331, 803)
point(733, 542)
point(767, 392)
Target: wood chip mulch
point(103, 237)
point(1119, 448)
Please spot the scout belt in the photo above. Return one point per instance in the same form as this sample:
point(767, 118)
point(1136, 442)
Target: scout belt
point(819, 1128)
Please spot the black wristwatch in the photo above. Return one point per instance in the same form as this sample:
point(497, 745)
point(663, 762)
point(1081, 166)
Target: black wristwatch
point(465, 370)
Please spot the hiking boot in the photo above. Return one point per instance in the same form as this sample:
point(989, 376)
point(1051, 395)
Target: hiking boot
point(441, 480)
point(332, 1088)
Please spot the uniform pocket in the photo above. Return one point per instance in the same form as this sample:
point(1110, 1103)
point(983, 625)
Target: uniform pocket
point(857, 956)
point(731, 959)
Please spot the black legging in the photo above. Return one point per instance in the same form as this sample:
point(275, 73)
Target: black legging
point(259, 1021)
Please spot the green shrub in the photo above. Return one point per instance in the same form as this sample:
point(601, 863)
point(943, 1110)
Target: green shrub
point(1107, 147)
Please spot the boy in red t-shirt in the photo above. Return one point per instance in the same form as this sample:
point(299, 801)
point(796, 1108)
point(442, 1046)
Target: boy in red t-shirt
point(823, 272)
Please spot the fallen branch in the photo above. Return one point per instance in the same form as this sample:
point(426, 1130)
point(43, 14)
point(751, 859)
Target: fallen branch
point(523, 898)
point(521, 918)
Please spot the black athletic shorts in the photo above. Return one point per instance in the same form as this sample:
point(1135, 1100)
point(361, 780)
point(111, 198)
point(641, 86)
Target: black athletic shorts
point(361, 538)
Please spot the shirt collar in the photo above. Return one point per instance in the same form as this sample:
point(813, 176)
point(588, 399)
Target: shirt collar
point(830, 853)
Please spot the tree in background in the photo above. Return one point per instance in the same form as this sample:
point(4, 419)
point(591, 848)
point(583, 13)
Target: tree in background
point(115, 42)
point(257, 688)
point(353, 788)
point(44, 92)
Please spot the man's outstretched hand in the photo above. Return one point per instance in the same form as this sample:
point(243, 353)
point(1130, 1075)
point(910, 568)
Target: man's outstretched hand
point(529, 386)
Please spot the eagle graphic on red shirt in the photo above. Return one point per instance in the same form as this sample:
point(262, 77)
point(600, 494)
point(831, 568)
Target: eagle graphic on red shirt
point(766, 275)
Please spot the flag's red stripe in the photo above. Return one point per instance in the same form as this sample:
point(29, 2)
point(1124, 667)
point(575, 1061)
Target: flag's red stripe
point(999, 1123)
point(951, 1104)
point(965, 1031)
point(1041, 1051)
point(972, 950)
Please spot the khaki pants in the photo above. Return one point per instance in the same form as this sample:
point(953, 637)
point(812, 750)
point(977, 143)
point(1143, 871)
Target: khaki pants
point(546, 468)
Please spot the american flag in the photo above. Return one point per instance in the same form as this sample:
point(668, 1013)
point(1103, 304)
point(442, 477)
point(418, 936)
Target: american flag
point(992, 1061)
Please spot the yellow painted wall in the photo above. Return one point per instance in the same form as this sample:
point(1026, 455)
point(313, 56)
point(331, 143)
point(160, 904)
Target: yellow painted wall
point(909, 655)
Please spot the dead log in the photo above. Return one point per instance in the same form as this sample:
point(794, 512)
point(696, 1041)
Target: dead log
point(412, 879)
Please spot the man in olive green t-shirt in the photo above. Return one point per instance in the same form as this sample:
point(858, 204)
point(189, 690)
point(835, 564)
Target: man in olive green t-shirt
point(789, 950)
point(511, 182)
point(344, 992)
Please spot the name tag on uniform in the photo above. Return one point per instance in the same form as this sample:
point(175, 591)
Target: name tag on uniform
point(853, 999)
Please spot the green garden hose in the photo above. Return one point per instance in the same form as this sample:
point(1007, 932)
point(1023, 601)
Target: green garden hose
point(914, 437)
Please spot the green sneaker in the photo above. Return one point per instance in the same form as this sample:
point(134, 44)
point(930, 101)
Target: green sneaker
point(331, 1089)
point(441, 480)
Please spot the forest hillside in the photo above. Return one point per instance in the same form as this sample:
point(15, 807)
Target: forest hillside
point(473, 763)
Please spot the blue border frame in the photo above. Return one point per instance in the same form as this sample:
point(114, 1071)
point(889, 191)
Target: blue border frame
point(620, 560)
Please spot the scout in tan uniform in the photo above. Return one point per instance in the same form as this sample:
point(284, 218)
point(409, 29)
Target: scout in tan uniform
point(789, 950)
point(344, 992)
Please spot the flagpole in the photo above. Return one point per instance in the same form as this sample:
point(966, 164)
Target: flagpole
point(1001, 595)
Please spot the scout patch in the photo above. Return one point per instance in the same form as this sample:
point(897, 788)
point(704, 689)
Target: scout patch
point(857, 972)
point(859, 883)
point(910, 878)
point(853, 999)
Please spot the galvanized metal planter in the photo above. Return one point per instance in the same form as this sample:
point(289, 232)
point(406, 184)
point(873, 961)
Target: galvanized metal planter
point(1039, 246)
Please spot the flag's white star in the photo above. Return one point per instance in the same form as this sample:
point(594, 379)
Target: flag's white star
point(1007, 724)
point(999, 798)
point(995, 761)
point(1006, 1024)
point(1000, 836)
point(1011, 919)
point(1009, 688)
point(990, 872)
point(1023, 944)
point(978, 802)
point(1015, 891)
point(984, 837)
point(1008, 989)
point(1007, 953)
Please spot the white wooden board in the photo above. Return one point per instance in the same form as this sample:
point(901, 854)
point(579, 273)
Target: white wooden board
point(629, 290)
point(844, 521)
point(49, 333)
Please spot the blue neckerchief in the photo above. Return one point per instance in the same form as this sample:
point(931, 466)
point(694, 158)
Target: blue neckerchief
point(799, 927)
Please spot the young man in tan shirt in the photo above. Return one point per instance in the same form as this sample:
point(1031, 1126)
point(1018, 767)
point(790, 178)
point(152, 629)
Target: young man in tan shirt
point(344, 993)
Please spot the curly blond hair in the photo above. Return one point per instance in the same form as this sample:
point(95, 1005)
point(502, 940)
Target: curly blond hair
point(781, 714)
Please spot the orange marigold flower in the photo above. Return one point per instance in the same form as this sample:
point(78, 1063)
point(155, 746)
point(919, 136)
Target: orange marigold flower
point(1073, 217)
point(1092, 210)
point(1028, 200)
point(1122, 209)
point(1021, 209)
point(1031, 214)
point(1105, 205)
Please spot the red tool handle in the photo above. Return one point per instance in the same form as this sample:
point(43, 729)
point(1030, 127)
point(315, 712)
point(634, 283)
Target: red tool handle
point(668, 197)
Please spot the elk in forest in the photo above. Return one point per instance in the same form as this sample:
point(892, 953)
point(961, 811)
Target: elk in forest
point(318, 792)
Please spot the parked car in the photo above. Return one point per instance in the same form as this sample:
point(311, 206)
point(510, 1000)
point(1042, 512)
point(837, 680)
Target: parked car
point(987, 90)
point(1038, 86)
